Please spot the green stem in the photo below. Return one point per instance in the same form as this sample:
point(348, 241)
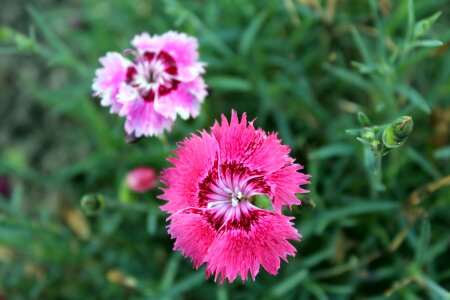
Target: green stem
point(374, 171)
point(377, 175)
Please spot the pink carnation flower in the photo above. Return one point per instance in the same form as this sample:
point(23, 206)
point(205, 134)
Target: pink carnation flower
point(211, 189)
point(161, 81)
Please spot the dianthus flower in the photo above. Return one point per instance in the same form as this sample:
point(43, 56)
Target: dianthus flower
point(153, 84)
point(211, 189)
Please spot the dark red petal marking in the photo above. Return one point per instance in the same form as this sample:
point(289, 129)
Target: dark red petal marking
point(166, 59)
point(149, 96)
point(169, 63)
point(205, 186)
point(244, 222)
point(218, 223)
point(131, 71)
point(172, 70)
point(164, 90)
point(149, 56)
point(169, 67)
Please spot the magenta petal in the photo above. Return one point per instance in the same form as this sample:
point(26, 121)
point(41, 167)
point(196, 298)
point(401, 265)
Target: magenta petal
point(196, 155)
point(238, 251)
point(214, 178)
point(193, 234)
point(285, 184)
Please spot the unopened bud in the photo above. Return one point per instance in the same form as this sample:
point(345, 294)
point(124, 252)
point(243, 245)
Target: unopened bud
point(397, 132)
point(92, 204)
point(363, 119)
point(5, 187)
point(141, 179)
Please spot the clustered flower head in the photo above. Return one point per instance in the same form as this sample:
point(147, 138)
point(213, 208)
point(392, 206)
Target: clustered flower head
point(154, 83)
point(210, 195)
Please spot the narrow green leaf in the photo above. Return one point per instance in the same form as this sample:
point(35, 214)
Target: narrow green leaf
point(423, 241)
point(363, 68)
point(229, 83)
point(434, 287)
point(349, 77)
point(170, 271)
point(152, 222)
point(222, 293)
point(49, 35)
point(288, 284)
point(338, 149)
point(427, 43)
point(415, 98)
point(363, 50)
point(355, 209)
point(250, 32)
point(188, 283)
point(442, 153)
point(353, 131)
point(185, 15)
point(411, 21)
point(423, 162)
point(423, 26)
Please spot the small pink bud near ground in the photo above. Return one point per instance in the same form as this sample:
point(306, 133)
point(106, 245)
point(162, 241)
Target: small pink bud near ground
point(141, 179)
point(5, 187)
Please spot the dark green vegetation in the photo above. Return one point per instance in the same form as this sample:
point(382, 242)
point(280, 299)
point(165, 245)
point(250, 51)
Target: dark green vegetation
point(302, 68)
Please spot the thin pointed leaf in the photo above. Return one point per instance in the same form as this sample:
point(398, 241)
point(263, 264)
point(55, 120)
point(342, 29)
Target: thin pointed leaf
point(249, 34)
point(415, 98)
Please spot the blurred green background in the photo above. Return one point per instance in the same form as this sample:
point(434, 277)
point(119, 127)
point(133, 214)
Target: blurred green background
point(304, 68)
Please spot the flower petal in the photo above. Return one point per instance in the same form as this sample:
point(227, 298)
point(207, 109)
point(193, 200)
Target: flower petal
point(109, 78)
point(143, 120)
point(285, 184)
point(196, 156)
point(182, 47)
point(184, 101)
point(193, 233)
point(144, 42)
point(258, 238)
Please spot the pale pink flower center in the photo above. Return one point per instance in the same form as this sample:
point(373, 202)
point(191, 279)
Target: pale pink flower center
point(152, 74)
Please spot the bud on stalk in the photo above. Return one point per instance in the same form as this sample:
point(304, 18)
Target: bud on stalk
point(92, 204)
point(397, 132)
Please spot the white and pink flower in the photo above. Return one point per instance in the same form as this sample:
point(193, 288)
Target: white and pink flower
point(154, 83)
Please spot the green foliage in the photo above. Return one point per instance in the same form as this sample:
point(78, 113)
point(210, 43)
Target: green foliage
point(306, 69)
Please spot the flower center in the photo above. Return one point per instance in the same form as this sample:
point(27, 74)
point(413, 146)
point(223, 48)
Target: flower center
point(153, 74)
point(226, 196)
point(235, 196)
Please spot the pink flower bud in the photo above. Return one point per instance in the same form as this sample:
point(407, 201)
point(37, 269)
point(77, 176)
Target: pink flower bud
point(5, 188)
point(141, 179)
